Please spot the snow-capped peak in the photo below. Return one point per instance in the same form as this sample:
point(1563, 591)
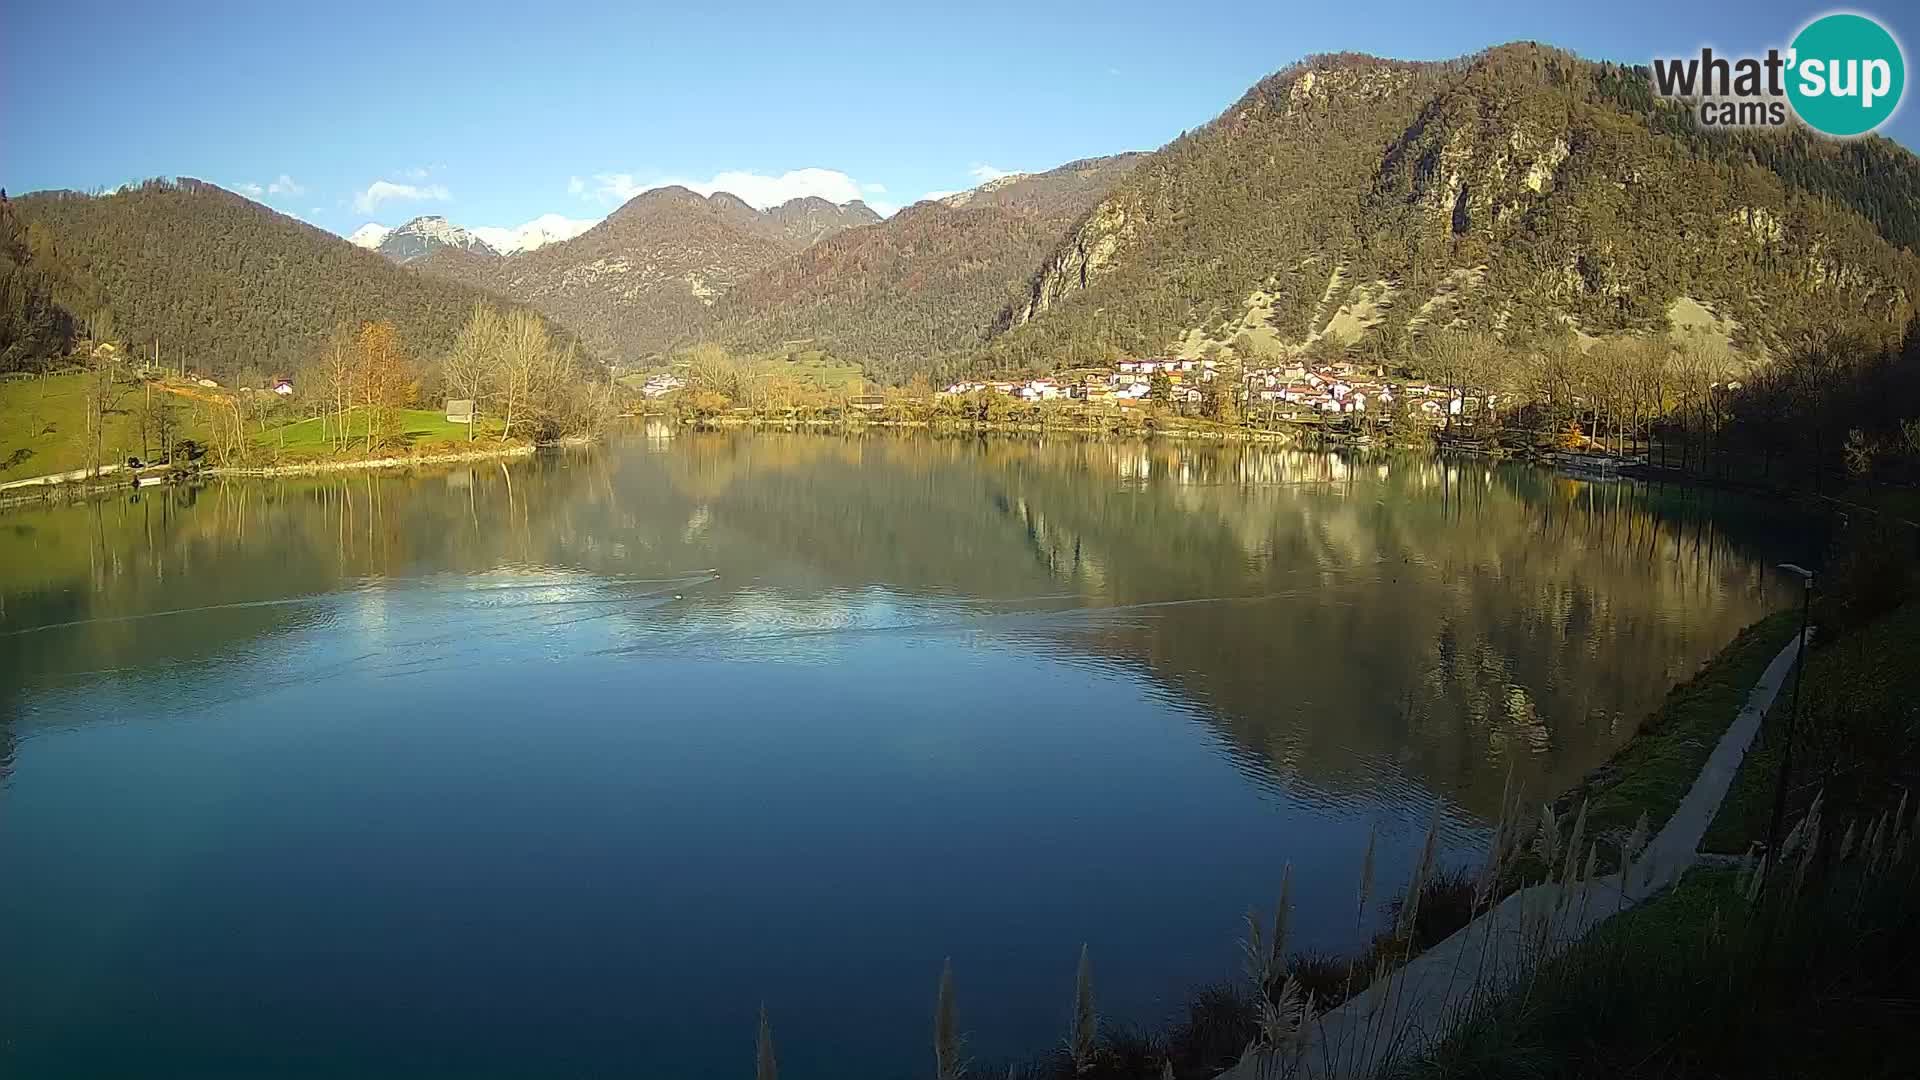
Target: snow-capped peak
point(436, 229)
point(541, 231)
point(370, 236)
point(419, 236)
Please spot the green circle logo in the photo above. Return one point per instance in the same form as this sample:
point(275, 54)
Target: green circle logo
point(1847, 74)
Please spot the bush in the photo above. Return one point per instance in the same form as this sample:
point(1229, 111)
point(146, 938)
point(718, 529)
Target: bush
point(1446, 905)
point(1218, 1025)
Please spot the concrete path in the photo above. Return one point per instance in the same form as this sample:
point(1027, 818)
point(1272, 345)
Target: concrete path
point(61, 477)
point(1415, 1007)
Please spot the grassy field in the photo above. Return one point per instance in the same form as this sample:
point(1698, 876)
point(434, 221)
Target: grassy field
point(43, 429)
point(43, 426)
point(812, 367)
point(420, 429)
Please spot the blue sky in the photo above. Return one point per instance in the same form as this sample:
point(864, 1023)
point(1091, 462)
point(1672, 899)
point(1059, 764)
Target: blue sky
point(493, 114)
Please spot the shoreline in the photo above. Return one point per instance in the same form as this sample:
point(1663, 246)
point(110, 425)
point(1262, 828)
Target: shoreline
point(758, 423)
point(308, 467)
point(88, 483)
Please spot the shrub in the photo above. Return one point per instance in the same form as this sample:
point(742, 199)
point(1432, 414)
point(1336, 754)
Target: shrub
point(1446, 905)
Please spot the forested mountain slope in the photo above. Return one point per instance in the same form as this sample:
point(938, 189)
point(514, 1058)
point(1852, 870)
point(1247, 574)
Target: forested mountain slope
point(225, 281)
point(642, 278)
point(918, 292)
point(1521, 191)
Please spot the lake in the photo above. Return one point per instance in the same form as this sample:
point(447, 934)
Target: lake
point(564, 765)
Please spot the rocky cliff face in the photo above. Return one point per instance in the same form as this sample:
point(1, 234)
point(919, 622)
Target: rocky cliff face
point(1521, 191)
point(424, 235)
point(801, 223)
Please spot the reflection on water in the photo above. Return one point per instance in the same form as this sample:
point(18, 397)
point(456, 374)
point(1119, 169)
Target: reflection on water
point(577, 759)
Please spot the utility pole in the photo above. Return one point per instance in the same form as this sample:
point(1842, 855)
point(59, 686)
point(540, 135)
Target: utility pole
point(1793, 714)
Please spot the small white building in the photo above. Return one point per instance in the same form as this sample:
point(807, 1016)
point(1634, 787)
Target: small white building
point(662, 384)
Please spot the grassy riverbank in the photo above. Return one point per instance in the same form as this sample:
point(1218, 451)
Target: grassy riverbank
point(1804, 967)
point(1857, 739)
point(45, 430)
point(1654, 770)
point(1717, 978)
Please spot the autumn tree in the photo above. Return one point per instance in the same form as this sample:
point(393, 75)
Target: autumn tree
point(1223, 392)
point(384, 379)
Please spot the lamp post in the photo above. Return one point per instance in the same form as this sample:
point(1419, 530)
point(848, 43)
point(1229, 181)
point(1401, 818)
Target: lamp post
point(1793, 711)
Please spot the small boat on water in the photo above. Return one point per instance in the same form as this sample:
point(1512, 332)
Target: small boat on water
point(149, 481)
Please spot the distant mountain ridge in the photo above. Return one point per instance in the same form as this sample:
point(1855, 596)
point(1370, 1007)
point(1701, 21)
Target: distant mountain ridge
point(920, 290)
point(642, 277)
point(422, 235)
point(1346, 203)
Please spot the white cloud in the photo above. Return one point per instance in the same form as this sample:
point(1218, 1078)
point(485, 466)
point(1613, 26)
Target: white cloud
point(756, 189)
point(612, 187)
point(874, 189)
point(418, 172)
point(279, 185)
point(884, 209)
point(541, 231)
point(387, 191)
point(984, 173)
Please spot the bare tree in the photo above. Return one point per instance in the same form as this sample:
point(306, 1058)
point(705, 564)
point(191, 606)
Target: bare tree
point(522, 358)
point(102, 393)
point(470, 365)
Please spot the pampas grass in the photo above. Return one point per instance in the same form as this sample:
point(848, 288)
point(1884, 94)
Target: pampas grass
point(1281, 912)
point(948, 1064)
point(1082, 1036)
point(1410, 907)
point(1366, 873)
point(765, 1065)
point(1567, 877)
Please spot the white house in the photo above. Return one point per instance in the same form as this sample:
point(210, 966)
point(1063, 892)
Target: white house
point(661, 384)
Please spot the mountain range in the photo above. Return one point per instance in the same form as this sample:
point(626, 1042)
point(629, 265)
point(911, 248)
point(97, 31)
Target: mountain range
point(919, 289)
point(1346, 202)
point(418, 237)
point(645, 275)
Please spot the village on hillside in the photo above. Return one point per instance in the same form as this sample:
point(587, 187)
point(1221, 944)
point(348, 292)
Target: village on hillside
point(1291, 391)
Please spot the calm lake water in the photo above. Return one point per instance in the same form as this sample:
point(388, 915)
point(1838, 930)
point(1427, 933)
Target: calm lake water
point(563, 766)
